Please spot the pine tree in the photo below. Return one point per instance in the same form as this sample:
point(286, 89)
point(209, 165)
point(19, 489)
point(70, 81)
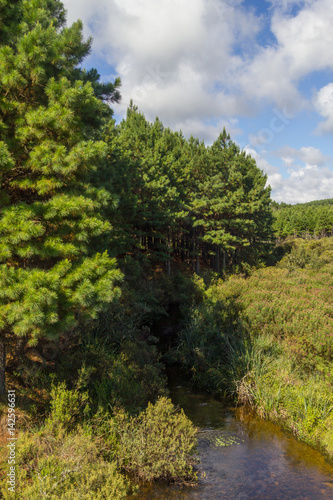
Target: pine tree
point(51, 217)
point(144, 174)
point(231, 203)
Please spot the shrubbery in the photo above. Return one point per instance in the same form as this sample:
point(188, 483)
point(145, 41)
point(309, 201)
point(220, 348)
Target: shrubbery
point(62, 460)
point(67, 460)
point(64, 466)
point(157, 444)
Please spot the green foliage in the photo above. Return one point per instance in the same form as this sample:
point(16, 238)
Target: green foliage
point(61, 465)
point(59, 461)
point(115, 362)
point(278, 389)
point(313, 254)
point(227, 441)
point(66, 406)
point(157, 444)
point(77, 192)
point(133, 377)
point(181, 200)
point(214, 346)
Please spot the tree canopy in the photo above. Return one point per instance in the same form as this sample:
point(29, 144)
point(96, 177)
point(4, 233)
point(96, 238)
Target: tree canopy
point(181, 199)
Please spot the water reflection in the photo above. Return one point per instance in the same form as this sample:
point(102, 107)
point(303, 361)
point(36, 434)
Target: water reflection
point(244, 458)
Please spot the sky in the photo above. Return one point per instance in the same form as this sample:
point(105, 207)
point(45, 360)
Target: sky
point(261, 69)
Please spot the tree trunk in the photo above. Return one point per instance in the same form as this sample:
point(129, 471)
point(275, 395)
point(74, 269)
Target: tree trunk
point(193, 254)
point(217, 260)
point(169, 255)
point(197, 263)
point(2, 367)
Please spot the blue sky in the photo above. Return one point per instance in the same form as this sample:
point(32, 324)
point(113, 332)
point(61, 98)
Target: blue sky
point(263, 69)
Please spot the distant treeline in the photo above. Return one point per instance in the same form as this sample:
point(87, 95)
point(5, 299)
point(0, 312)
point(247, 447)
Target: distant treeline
point(313, 219)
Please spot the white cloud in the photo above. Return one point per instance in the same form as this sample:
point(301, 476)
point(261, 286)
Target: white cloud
point(181, 59)
point(198, 66)
point(262, 163)
point(307, 154)
point(305, 184)
point(323, 102)
point(303, 45)
point(312, 156)
point(288, 160)
point(207, 131)
point(274, 178)
point(305, 40)
point(307, 180)
point(176, 58)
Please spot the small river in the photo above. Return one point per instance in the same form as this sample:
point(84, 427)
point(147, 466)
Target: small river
point(243, 457)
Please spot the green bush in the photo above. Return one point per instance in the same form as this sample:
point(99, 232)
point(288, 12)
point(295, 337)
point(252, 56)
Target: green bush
point(128, 374)
point(313, 254)
point(66, 406)
point(66, 466)
point(159, 443)
point(213, 347)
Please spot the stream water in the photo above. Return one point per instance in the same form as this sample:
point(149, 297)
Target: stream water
point(243, 457)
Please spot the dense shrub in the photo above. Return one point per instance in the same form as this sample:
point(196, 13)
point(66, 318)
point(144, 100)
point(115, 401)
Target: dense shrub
point(66, 460)
point(157, 444)
point(66, 407)
point(313, 254)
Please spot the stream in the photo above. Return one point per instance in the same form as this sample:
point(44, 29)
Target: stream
point(243, 457)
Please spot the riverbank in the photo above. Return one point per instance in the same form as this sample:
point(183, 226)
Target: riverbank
point(268, 340)
point(92, 410)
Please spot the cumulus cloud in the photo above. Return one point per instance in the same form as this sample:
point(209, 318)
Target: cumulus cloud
point(323, 102)
point(177, 58)
point(307, 154)
point(305, 184)
point(262, 163)
point(207, 132)
point(308, 175)
point(305, 40)
point(303, 45)
point(195, 44)
point(274, 178)
point(181, 59)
